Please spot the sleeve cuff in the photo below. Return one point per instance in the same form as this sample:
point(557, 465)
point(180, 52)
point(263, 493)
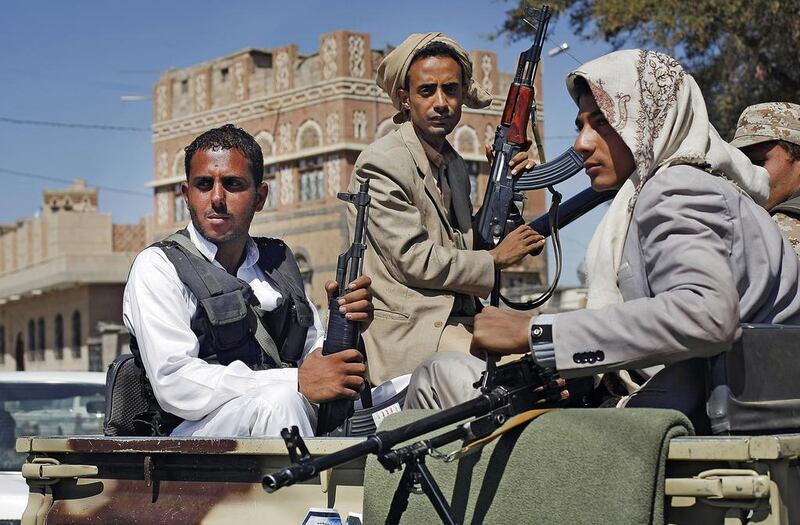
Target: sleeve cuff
point(543, 352)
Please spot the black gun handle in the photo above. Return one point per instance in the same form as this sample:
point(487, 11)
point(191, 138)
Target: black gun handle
point(342, 334)
point(332, 414)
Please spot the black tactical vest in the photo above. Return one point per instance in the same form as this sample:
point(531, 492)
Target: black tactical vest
point(223, 322)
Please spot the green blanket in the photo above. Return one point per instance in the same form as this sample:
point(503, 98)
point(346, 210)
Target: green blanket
point(570, 466)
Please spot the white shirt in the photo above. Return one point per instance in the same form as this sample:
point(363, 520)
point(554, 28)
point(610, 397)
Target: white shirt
point(157, 308)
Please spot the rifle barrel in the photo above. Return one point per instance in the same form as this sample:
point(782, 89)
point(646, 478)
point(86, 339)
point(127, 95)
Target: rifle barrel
point(571, 209)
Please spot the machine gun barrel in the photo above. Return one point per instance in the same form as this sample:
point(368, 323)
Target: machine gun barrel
point(382, 441)
point(512, 388)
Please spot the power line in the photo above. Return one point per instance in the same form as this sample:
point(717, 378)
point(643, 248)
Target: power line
point(29, 122)
point(67, 181)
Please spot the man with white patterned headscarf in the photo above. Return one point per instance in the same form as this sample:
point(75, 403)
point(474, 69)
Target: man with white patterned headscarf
point(685, 253)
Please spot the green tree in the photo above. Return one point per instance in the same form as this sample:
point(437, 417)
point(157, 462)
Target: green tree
point(741, 52)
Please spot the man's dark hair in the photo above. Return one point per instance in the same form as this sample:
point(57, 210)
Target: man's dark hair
point(581, 87)
point(228, 137)
point(792, 149)
point(435, 49)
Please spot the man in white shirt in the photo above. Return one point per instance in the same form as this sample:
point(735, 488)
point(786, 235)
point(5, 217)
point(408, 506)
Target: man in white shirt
point(218, 375)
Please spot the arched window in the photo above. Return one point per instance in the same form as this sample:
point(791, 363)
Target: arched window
point(76, 334)
point(180, 210)
point(466, 141)
point(360, 124)
point(41, 339)
point(309, 135)
point(178, 165)
point(180, 213)
point(312, 179)
point(267, 143)
point(32, 340)
point(59, 337)
point(306, 272)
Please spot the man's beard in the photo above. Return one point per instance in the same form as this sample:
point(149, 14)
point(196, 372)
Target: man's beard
point(228, 237)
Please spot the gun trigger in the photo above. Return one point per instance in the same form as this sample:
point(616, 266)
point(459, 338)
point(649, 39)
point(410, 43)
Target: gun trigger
point(487, 379)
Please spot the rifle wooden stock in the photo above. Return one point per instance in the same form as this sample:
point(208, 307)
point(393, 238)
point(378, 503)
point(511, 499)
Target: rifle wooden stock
point(517, 114)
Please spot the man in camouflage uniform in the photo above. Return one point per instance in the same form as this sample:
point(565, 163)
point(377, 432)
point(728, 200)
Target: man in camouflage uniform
point(769, 134)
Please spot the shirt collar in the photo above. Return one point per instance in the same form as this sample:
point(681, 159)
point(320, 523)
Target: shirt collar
point(437, 158)
point(209, 249)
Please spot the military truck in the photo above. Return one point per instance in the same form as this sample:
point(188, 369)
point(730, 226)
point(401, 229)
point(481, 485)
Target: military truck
point(216, 481)
point(747, 473)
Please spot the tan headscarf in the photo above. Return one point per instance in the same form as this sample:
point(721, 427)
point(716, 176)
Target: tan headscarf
point(394, 67)
point(658, 110)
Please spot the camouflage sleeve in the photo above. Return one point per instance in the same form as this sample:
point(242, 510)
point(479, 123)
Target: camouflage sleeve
point(790, 228)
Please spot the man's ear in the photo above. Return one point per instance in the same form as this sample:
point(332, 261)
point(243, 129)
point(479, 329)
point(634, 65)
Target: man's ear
point(405, 103)
point(185, 192)
point(262, 191)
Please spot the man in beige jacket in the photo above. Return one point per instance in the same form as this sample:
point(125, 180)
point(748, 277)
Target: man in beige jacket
point(425, 274)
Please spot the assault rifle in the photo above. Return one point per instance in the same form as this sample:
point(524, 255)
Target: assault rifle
point(505, 391)
point(343, 334)
point(499, 213)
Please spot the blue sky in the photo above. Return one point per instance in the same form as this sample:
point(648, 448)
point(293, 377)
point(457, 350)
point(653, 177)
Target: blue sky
point(72, 61)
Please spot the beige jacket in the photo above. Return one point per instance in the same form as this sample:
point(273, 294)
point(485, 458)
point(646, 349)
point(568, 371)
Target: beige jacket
point(411, 252)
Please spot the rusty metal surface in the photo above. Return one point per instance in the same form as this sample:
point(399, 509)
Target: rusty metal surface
point(124, 501)
point(102, 444)
point(189, 484)
point(130, 502)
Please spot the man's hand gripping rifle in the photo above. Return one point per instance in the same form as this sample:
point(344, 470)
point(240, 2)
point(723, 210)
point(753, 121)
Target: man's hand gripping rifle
point(343, 334)
point(499, 214)
point(505, 391)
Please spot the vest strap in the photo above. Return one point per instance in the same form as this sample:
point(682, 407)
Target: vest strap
point(204, 279)
point(207, 280)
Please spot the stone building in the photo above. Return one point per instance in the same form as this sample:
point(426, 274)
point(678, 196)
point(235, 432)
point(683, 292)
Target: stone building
point(62, 274)
point(312, 114)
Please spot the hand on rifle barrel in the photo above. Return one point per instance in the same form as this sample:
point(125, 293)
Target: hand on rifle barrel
point(522, 161)
point(516, 245)
point(328, 377)
point(500, 332)
point(356, 304)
